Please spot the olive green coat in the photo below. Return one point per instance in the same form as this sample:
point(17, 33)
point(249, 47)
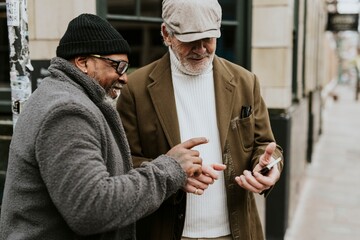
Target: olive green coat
point(148, 111)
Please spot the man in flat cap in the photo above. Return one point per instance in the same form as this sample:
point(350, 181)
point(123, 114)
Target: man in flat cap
point(192, 92)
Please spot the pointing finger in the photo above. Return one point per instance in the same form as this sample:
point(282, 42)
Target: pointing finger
point(192, 142)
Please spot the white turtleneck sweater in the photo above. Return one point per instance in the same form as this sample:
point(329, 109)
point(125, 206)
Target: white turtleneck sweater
point(206, 215)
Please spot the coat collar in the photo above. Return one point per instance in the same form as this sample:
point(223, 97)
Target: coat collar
point(224, 95)
point(161, 91)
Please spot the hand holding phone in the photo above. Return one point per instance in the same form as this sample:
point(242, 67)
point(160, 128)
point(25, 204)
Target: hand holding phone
point(268, 167)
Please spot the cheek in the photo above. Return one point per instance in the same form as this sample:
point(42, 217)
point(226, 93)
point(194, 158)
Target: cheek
point(102, 82)
point(100, 77)
point(108, 82)
point(106, 77)
point(182, 51)
point(211, 49)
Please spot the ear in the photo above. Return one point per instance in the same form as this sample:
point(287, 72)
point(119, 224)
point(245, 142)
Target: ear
point(81, 63)
point(165, 34)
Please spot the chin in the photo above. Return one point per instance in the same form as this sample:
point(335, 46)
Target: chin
point(196, 70)
point(197, 67)
point(110, 100)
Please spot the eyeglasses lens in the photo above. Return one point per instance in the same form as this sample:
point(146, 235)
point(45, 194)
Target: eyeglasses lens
point(122, 67)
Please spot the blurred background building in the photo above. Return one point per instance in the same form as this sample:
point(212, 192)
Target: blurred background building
point(287, 43)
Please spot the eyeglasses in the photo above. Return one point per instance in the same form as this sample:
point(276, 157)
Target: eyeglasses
point(121, 65)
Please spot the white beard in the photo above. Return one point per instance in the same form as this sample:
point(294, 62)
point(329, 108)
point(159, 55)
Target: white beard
point(111, 101)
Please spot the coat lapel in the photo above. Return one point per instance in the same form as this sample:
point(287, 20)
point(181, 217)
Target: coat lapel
point(161, 91)
point(224, 94)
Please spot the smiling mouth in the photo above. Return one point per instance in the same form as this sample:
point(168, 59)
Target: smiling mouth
point(117, 87)
point(198, 57)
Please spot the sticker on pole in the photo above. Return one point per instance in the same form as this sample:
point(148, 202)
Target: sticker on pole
point(13, 12)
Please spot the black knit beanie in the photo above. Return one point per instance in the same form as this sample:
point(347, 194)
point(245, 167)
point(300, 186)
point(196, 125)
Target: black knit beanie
point(90, 34)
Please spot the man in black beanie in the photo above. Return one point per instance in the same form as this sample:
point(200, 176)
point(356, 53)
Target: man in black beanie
point(70, 174)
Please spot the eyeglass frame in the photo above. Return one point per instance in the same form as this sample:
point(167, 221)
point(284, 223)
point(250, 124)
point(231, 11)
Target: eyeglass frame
point(118, 62)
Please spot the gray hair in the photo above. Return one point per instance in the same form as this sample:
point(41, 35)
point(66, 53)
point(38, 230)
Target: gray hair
point(169, 31)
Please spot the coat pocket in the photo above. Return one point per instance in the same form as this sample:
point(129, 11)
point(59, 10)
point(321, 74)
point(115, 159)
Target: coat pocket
point(244, 127)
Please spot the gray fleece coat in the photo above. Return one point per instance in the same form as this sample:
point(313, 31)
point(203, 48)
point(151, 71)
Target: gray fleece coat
point(70, 174)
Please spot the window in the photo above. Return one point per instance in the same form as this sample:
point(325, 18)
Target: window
point(139, 22)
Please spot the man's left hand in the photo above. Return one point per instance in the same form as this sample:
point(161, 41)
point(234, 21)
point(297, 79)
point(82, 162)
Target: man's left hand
point(256, 182)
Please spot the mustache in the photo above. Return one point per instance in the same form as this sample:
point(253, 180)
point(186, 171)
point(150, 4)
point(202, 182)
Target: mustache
point(197, 56)
point(118, 84)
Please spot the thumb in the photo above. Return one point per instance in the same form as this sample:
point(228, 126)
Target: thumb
point(218, 167)
point(269, 150)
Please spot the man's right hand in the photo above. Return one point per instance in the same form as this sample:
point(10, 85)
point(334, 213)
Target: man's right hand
point(189, 159)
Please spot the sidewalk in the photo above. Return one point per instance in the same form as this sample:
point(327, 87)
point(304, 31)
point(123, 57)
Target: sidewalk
point(329, 206)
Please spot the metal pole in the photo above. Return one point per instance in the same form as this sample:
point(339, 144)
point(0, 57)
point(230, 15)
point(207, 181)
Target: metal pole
point(17, 22)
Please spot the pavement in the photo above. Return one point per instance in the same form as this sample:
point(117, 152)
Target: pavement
point(329, 204)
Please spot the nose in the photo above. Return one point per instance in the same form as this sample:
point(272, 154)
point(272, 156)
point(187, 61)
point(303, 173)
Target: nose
point(199, 47)
point(123, 79)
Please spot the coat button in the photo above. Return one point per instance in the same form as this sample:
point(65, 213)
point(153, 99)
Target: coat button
point(181, 216)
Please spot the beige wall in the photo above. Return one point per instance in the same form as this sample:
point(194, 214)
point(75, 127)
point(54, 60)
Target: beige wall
point(272, 50)
point(48, 20)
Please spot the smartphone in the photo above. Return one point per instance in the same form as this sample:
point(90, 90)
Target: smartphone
point(268, 167)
